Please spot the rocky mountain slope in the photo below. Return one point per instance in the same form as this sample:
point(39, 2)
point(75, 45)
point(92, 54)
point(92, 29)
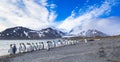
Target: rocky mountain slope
point(25, 33)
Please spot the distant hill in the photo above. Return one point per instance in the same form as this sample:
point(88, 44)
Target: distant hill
point(25, 33)
point(93, 33)
point(47, 33)
point(88, 33)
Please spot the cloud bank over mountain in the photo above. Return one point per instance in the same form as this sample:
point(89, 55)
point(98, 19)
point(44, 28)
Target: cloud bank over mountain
point(90, 20)
point(26, 13)
point(38, 14)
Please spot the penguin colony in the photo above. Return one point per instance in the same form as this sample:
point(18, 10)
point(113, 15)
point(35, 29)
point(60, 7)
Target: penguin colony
point(29, 47)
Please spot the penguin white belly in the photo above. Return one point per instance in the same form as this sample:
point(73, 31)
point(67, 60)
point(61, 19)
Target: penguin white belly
point(24, 50)
point(20, 50)
point(10, 51)
point(28, 48)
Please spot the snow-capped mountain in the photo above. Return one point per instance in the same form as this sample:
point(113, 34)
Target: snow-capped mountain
point(47, 33)
point(92, 33)
point(25, 33)
point(87, 33)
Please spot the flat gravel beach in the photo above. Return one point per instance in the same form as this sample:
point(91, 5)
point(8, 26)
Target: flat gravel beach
point(80, 52)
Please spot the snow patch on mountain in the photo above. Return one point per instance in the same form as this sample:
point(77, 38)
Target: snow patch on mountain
point(93, 33)
point(25, 33)
point(87, 33)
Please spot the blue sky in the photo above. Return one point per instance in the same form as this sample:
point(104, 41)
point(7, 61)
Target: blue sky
point(70, 6)
point(66, 15)
point(64, 8)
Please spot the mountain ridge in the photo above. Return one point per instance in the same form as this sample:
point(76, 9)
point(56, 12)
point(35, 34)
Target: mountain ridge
point(20, 32)
point(25, 33)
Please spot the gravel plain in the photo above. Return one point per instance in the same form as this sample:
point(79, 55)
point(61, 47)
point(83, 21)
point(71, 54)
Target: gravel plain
point(103, 50)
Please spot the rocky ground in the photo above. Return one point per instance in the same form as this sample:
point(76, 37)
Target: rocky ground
point(104, 50)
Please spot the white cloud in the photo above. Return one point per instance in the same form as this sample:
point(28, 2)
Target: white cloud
point(32, 16)
point(44, 2)
point(108, 25)
point(84, 20)
point(52, 6)
point(2, 27)
point(52, 16)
